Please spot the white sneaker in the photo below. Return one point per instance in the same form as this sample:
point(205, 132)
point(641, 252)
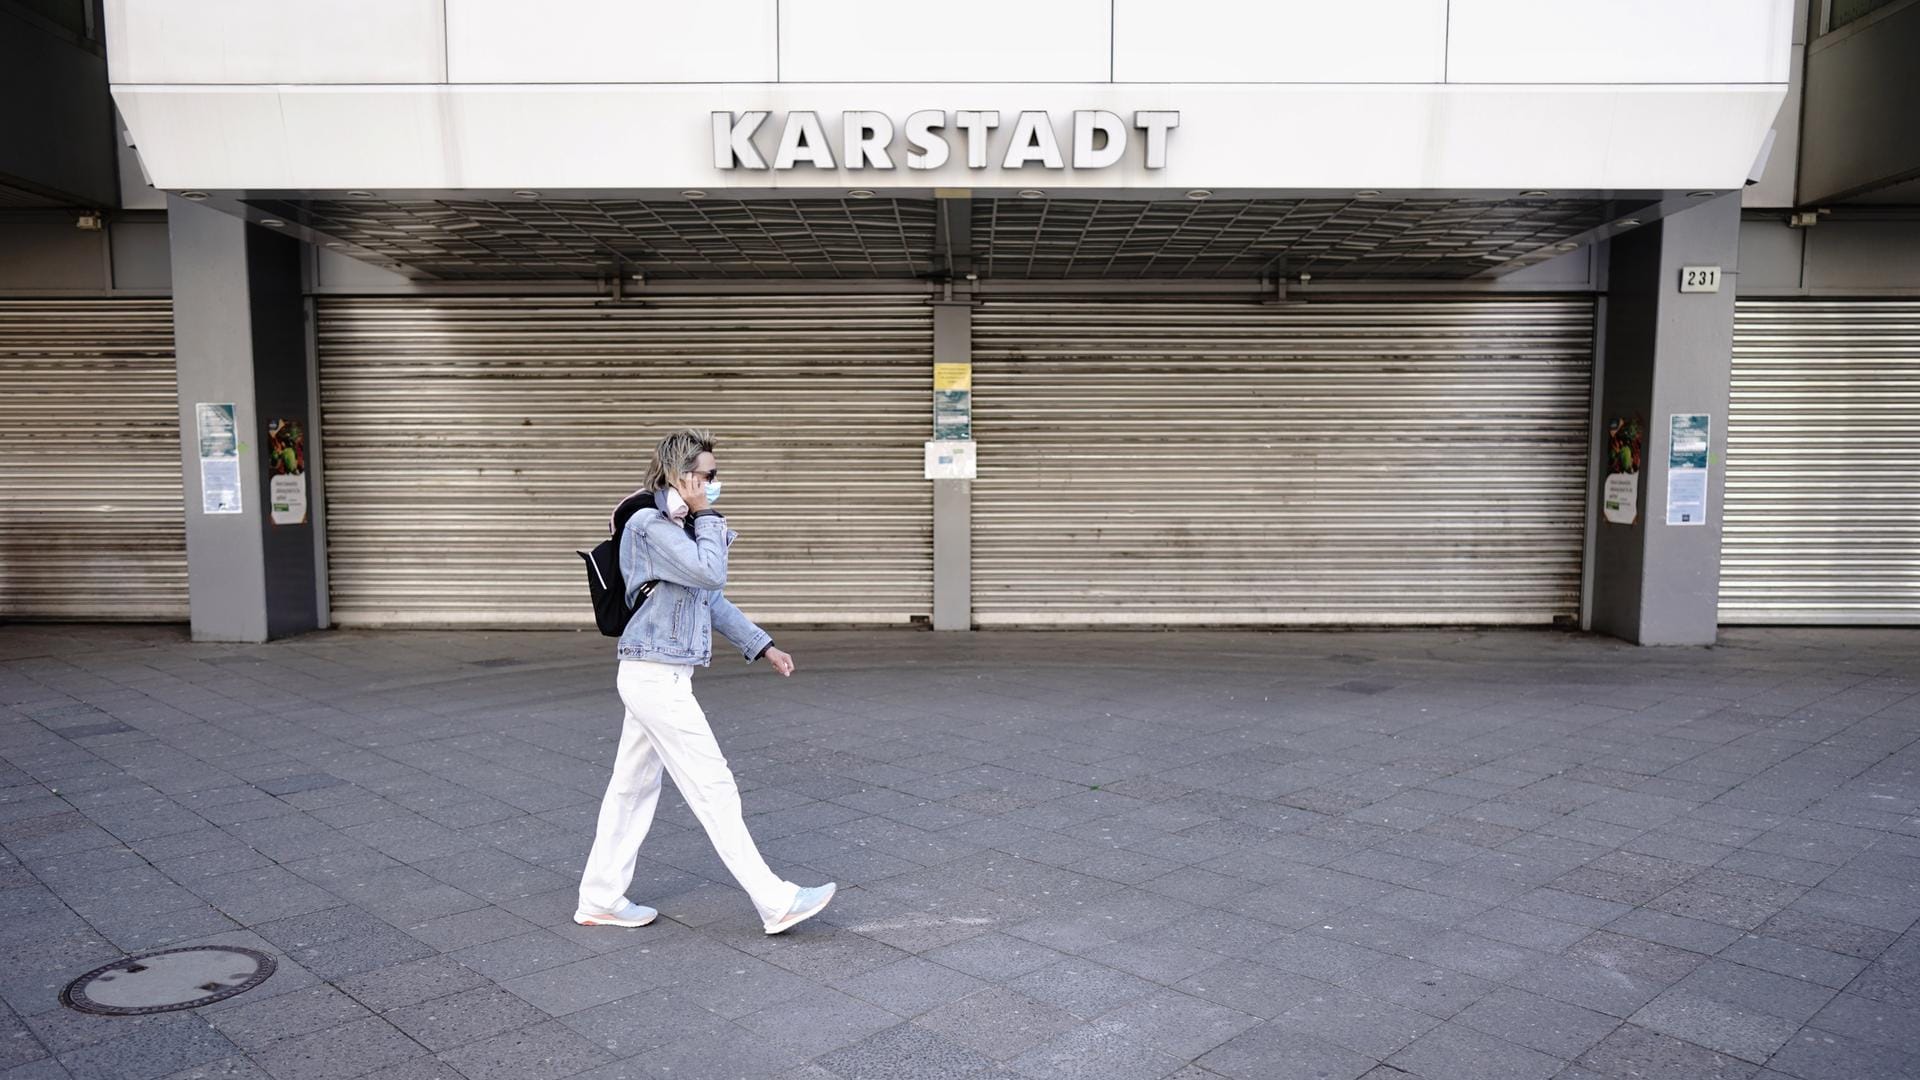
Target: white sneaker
point(805, 906)
point(629, 914)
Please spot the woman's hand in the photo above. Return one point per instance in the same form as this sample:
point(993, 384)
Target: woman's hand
point(693, 489)
point(781, 662)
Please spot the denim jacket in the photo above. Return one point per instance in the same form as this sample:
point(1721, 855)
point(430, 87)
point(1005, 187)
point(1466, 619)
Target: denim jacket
point(676, 624)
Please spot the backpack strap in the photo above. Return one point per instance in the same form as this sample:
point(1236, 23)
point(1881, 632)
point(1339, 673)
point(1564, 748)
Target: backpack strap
point(632, 504)
point(617, 524)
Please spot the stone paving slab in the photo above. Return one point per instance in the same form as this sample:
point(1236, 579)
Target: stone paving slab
point(1171, 856)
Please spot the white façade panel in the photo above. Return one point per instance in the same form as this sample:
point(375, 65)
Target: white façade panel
point(1780, 173)
point(610, 41)
point(552, 138)
point(1399, 41)
point(282, 41)
point(366, 136)
point(1619, 41)
point(983, 41)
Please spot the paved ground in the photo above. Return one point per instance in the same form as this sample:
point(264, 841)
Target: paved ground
point(1440, 854)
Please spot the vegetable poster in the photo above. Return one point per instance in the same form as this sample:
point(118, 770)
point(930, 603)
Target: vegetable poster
point(1625, 439)
point(287, 461)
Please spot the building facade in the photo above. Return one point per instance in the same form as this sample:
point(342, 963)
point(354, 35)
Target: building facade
point(1095, 313)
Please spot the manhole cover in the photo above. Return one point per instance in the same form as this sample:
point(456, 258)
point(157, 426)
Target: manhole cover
point(168, 979)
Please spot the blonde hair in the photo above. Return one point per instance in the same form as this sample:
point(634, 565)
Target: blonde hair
point(676, 454)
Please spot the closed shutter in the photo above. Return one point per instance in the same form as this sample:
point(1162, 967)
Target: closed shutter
point(471, 445)
point(1822, 520)
point(91, 521)
point(1227, 462)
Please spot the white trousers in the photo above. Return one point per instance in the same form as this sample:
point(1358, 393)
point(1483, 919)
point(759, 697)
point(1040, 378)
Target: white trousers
point(666, 729)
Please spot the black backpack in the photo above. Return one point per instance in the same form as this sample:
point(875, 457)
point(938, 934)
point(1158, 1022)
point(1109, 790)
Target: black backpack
point(605, 583)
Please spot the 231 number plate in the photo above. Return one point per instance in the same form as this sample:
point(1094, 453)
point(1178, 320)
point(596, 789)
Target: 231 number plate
point(1699, 279)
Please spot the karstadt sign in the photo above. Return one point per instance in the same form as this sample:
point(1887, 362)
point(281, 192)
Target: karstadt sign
point(1096, 139)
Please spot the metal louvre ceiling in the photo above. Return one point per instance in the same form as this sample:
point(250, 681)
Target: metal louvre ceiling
point(472, 445)
point(1231, 463)
point(1441, 238)
point(1333, 239)
point(1822, 516)
point(457, 239)
point(91, 522)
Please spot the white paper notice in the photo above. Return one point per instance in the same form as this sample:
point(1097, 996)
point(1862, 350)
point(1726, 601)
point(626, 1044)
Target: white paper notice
point(220, 485)
point(1622, 497)
point(219, 457)
point(1687, 497)
point(950, 459)
point(287, 495)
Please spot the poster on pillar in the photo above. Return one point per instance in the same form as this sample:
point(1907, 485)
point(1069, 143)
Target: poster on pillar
point(219, 457)
point(287, 462)
point(1622, 490)
point(1688, 445)
point(952, 402)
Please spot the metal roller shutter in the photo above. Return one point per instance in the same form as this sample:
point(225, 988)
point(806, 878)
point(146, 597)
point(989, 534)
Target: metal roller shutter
point(1822, 521)
point(91, 521)
point(1223, 462)
point(471, 445)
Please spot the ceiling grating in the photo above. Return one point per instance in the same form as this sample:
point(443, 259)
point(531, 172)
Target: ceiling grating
point(572, 239)
point(884, 238)
point(1407, 239)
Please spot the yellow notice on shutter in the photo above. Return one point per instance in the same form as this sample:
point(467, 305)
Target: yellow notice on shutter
point(953, 376)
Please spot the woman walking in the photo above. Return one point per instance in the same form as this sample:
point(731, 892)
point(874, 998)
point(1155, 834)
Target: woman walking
point(681, 543)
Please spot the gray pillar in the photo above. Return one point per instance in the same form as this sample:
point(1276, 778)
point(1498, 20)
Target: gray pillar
point(1666, 353)
point(240, 340)
point(953, 499)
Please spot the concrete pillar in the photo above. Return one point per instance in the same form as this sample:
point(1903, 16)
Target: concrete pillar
point(953, 499)
point(240, 339)
point(1666, 353)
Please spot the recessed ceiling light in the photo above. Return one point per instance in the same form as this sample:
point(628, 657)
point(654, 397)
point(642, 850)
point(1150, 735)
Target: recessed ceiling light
point(524, 194)
point(1032, 193)
point(1701, 194)
point(273, 223)
point(1366, 193)
point(860, 193)
point(335, 244)
point(1199, 193)
point(1630, 223)
point(1567, 246)
point(1533, 194)
point(196, 196)
point(693, 193)
point(360, 194)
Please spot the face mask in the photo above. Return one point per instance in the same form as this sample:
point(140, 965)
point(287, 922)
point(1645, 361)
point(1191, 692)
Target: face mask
point(713, 491)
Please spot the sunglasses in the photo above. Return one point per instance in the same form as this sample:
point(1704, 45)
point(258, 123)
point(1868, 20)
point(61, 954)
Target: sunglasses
point(711, 474)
